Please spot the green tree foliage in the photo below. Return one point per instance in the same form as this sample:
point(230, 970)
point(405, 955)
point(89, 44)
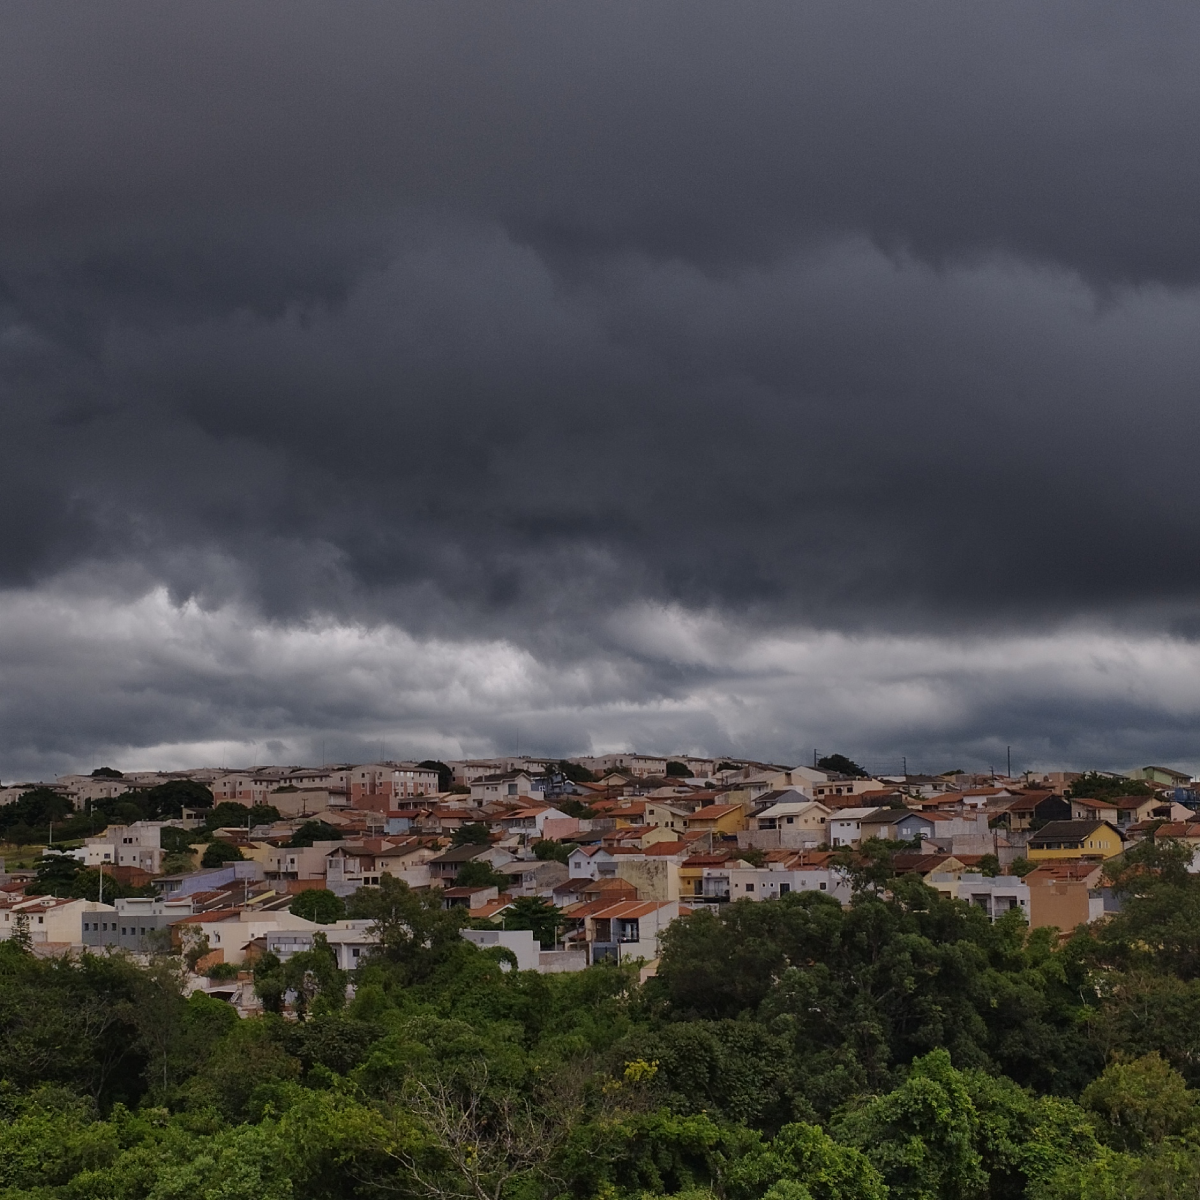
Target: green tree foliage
point(478, 873)
point(229, 814)
point(1142, 1102)
point(539, 916)
point(551, 851)
point(473, 833)
point(315, 831)
point(901, 1047)
point(842, 765)
point(445, 774)
point(317, 904)
point(106, 773)
point(1097, 786)
point(574, 772)
point(217, 853)
point(28, 818)
point(678, 770)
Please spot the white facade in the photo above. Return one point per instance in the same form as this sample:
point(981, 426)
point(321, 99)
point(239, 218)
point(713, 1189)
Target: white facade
point(845, 826)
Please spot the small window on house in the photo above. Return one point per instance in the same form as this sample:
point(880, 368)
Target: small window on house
point(749, 887)
point(791, 820)
point(822, 887)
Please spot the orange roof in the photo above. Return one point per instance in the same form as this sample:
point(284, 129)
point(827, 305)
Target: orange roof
point(665, 849)
point(628, 909)
point(714, 812)
point(1062, 869)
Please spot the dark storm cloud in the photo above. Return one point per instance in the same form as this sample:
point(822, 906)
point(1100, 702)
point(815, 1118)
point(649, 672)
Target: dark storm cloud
point(491, 321)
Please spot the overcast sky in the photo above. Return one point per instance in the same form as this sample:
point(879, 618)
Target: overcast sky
point(740, 378)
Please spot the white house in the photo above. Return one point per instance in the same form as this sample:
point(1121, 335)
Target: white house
point(845, 825)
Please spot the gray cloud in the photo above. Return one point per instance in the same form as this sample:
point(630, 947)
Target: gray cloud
point(479, 324)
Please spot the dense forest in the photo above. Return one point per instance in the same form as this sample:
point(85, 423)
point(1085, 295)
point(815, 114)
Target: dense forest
point(900, 1047)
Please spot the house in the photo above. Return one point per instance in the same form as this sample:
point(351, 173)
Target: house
point(996, 895)
point(626, 931)
point(664, 815)
point(351, 865)
point(794, 814)
point(445, 867)
point(776, 880)
point(471, 898)
point(136, 923)
point(530, 820)
point(721, 820)
point(506, 785)
point(845, 825)
point(638, 766)
point(534, 878)
point(1094, 810)
point(351, 941)
point(296, 862)
point(518, 942)
point(898, 824)
point(49, 921)
point(1066, 893)
point(135, 845)
point(1164, 775)
point(843, 790)
point(706, 876)
point(1076, 839)
point(230, 932)
point(1021, 812)
point(591, 862)
point(240, 874)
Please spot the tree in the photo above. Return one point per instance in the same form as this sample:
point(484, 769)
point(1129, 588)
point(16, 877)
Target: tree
point(217, 853)
point(473, 833)
point(921, 1137)
point(106, 773)
point(548, 850)
point(56, 875)
point(311, 976)
point(315, 831)
point(989, 865)
point(1141, 1102)
point(478, 873)
point(539, 916)
point(166, 801)
point(414, 933)
point(1021, 867)
point(1096, 785)
point(574, 772)
point(841, 765)
point(678, 770)
point(318, 904)
point(445, 774)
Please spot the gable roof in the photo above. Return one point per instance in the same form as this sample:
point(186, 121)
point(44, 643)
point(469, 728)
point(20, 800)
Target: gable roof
point(1071, 831)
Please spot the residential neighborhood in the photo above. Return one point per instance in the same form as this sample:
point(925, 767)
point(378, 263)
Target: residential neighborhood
point(614, 848)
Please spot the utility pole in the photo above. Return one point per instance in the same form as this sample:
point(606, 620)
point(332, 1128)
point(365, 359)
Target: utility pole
point(1010, 762)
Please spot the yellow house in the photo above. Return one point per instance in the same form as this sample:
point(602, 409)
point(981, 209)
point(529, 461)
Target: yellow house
point(721, 819)
point(1075, 839)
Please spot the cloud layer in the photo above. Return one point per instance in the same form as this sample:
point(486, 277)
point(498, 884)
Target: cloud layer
point(379, 380)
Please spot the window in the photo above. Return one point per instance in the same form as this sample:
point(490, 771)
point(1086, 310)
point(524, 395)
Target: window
point(784, 888)
point(124, 931)
point(791, 820)
point(822, 887)
point(749, 887)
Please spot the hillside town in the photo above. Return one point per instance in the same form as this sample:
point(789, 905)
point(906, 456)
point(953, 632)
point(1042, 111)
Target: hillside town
point(561, 864)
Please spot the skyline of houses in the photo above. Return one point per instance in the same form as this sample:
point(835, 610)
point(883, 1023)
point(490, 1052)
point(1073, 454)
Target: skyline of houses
point(619, 856)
